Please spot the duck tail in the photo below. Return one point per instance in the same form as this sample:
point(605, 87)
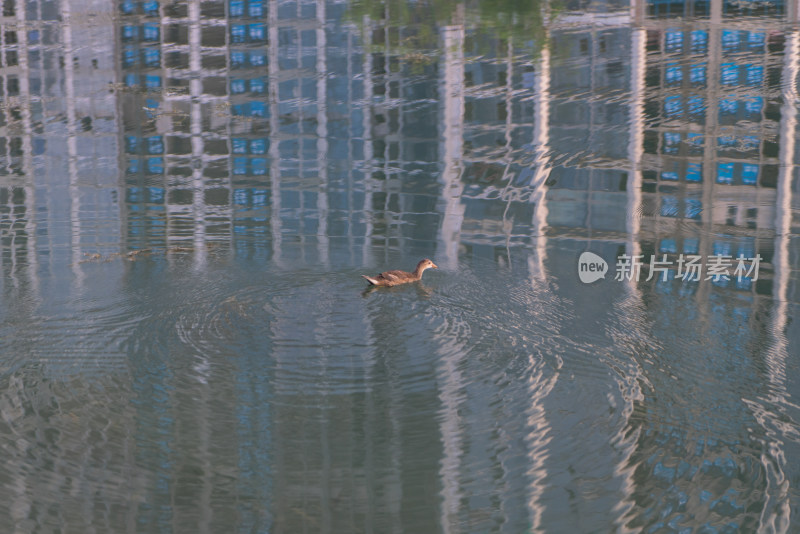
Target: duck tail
point(370, 280)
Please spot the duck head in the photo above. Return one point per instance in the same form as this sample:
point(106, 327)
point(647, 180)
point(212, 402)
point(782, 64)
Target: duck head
point(425, 264)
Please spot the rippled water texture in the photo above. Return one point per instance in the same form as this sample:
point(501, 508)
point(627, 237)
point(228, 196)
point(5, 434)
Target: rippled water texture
point(190, 192)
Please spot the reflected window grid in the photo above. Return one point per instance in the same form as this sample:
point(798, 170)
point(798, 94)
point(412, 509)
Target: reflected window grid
point(746, 59)
point(245, 117)
point(745, 62)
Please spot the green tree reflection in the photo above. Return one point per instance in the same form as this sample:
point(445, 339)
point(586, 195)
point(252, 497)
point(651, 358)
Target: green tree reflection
point(410, 30)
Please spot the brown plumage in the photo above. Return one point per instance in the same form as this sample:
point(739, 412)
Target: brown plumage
point(393, 278)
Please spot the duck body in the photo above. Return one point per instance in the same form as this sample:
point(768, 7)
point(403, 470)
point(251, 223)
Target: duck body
point(397, 277)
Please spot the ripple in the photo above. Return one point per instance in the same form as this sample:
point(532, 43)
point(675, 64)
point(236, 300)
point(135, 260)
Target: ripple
point(86, 338)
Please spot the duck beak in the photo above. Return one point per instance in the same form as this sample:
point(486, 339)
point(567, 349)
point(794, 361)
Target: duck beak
point(434, 265)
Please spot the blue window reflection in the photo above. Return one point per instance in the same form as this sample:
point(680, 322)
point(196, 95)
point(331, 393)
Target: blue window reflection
point(749, 174)
point(258, 146)
point(238, 33)
point(236, 8)
point(755, 75)
point(259, 166)
point(133, 195)
point(755, 39)
point(694, 207)
point(238, 86)
point(152, 81)
point(240, 197)
point(673, 41)
point(258, 59)
point(239, 166)
point(699, 40)
point(697, 74)
point(671, 142)
point(238, 59)
point(669, 206)
point(239, 146)
point(724, 173)
point(150, 8)
point(694, 172)
point(672, 106)
point(697, 105)
point(156, 194)
point(129, 33)
point(728, 106)
point(257, 109)
point(668, 246)
point(257, 32)
point(257, 85)
point(256, 8)
point(729, 73)
point(131, 144)
point(155, 165)
point(150, 32)
point(259, 198)
point(130, 57)
point(673, 74)
point(155, 145)
point(730, 40)
point(152, 57)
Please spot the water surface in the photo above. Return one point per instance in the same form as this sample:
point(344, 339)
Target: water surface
point(189, 195)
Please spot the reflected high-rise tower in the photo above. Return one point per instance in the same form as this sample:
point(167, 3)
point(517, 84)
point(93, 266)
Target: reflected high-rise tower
point(245, 125)
point(58, 126)
point(701, 162)
point(711, 155)
point(58, 200)
point(228, 111)
point(717, 162)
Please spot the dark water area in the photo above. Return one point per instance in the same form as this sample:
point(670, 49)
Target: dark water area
point(190, 192)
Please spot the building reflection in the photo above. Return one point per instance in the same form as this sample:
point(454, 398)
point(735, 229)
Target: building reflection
point(281, 133)
point(707, 175)
point(50, 111)
point(711, 171)
point(231, 139)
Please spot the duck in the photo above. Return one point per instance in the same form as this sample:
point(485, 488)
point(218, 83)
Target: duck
point(394, 278)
